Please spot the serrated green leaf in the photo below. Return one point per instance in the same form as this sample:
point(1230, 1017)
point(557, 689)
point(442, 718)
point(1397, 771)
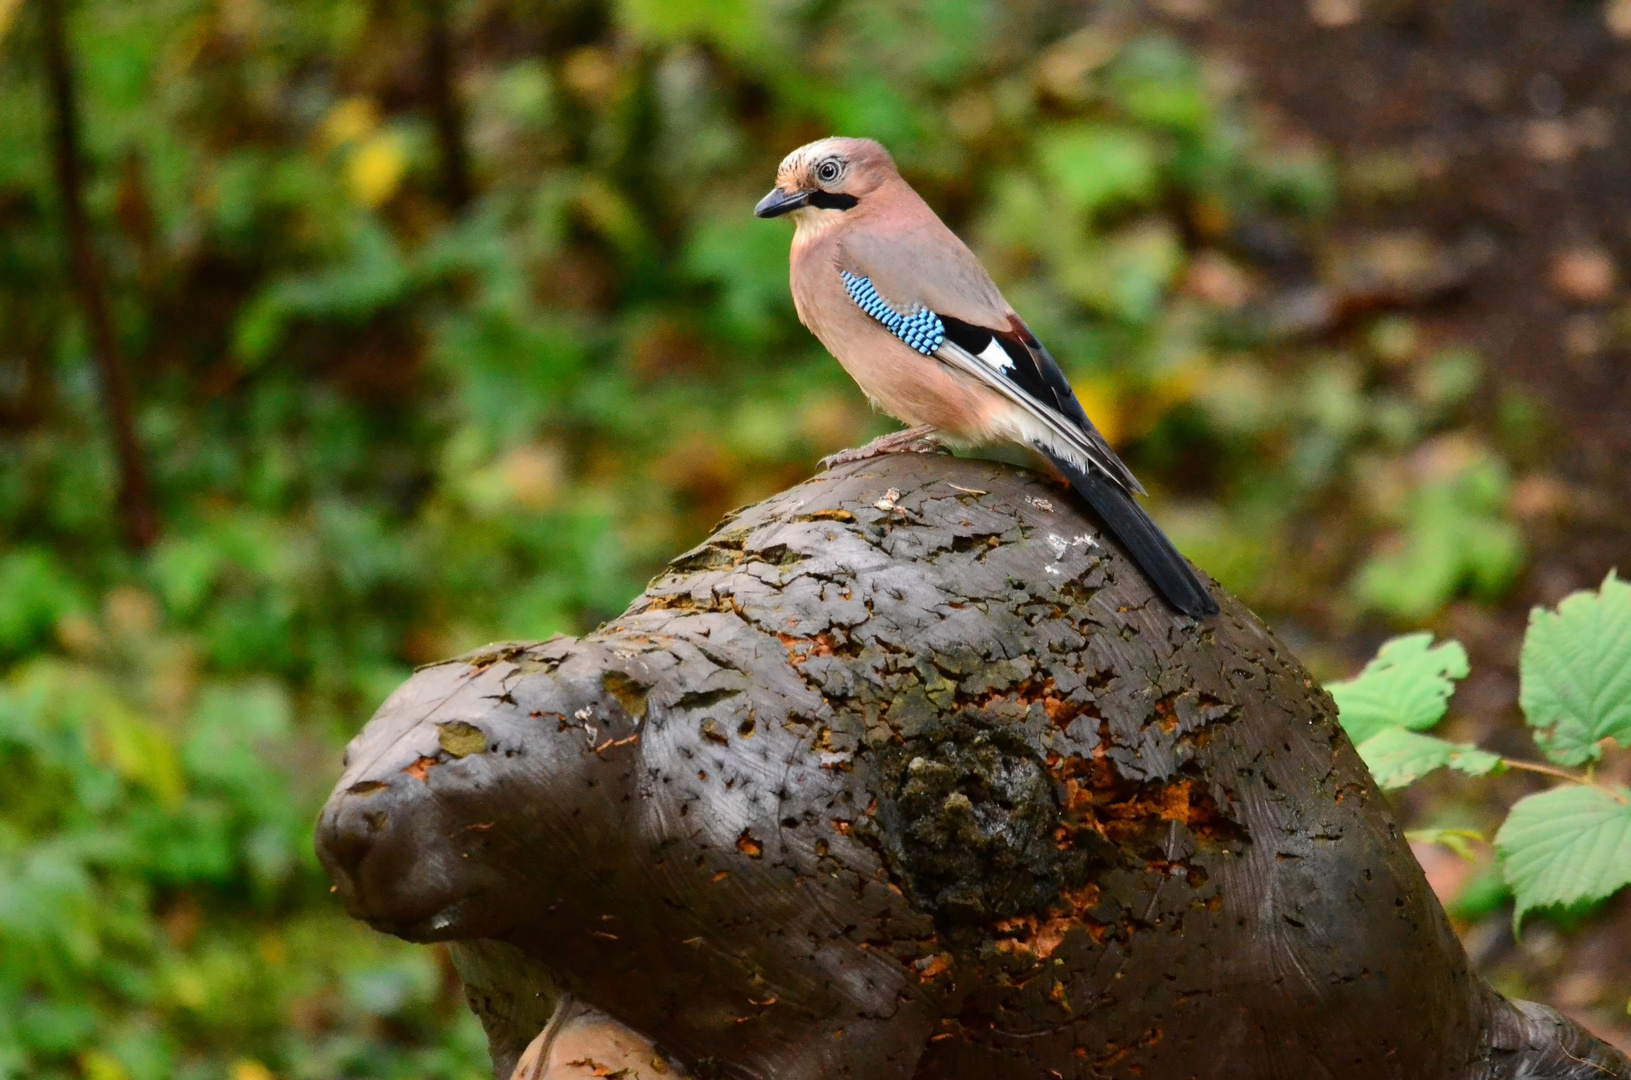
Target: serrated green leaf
point(1575, 673)
point(1564, 846)
point(1408, 685)
point(1397, 757)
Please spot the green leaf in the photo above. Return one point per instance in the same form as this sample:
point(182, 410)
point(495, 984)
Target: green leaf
point(1128, 275)
point(1575, 673)
point(1483, 894)
point(749, 264)
point(142, 752)
point(739, 26)
point(35, 591)
point(1158, 82)
point(1564, 846)
point(1408, 685)
point(1397, 757)
point(1460, 841)
point(1453, 535)
point(373, 278)
point(1094, 165)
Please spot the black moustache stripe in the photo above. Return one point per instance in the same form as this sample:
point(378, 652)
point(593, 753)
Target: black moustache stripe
point(829, 200)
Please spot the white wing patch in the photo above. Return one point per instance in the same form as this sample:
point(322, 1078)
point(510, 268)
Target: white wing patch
point(996, 356)
point(1034, 423)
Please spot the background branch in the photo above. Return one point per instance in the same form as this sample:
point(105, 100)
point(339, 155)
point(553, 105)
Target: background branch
point(444, 104)
point(137, 517)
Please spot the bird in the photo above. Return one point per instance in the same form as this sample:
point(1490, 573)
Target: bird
point(908, 311)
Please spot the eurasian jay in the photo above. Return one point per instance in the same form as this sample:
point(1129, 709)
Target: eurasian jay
point(914, 318)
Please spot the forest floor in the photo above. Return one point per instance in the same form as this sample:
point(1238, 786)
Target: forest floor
point(1504, 125)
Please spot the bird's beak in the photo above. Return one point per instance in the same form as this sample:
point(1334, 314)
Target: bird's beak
point(779, 202)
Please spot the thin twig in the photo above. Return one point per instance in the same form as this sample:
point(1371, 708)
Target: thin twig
point(136, 514)
point(1564, 774)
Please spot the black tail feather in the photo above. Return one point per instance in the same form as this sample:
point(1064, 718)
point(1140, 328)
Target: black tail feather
point(1145, 542)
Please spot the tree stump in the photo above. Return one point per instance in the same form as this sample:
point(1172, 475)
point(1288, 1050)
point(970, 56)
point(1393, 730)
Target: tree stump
point(905, 772)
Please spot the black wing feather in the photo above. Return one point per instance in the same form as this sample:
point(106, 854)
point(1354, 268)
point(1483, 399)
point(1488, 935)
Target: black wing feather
point(1145, 542)
point(970, 337)
point(1035, 371)
point(1110, 491)
point(1051, 375)
point(1027, 374)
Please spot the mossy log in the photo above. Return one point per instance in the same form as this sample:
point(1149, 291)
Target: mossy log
point(905, 772)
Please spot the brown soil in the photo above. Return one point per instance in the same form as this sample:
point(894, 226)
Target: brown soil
point(1508, 121)
point(1513, 119)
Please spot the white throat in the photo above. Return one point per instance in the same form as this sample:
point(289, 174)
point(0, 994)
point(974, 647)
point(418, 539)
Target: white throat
point(811, 222)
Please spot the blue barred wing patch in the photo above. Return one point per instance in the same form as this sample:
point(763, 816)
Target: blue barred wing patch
point(920, 328)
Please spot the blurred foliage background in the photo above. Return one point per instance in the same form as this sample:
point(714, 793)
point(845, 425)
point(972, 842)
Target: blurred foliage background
point(448, 322)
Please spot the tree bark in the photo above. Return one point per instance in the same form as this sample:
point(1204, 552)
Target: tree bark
point(137, 516)
point(905, 772)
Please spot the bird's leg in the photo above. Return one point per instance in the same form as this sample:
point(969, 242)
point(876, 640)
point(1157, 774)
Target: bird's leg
point(917, 440)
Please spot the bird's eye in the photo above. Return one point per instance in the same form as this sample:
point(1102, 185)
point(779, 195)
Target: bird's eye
point(827, 171)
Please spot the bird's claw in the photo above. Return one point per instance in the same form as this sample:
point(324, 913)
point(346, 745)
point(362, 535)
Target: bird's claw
point(917, 440)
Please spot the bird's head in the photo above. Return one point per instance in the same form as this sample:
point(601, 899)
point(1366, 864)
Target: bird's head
point(827, 175)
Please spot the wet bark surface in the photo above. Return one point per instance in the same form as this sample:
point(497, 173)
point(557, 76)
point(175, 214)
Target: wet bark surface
point(905, 772)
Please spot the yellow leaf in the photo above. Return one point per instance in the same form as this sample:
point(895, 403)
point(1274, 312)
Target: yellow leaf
point(130, 743)
point(1103, 406)
point(8, 13)
point(188, 988)
point(141, 752)
point(241, 18)
point(590, 72)
point(250, 1069)
point(610, 214)
point(348, 121)
point(375, 169)
point(101, 1065)
point(1180, 385)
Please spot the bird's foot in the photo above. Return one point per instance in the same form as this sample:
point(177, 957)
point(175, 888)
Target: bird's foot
point(917, 440)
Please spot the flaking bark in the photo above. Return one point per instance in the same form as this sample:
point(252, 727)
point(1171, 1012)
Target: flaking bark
point(906, 773)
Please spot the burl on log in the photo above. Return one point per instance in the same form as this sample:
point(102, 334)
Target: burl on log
point(905, 772)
